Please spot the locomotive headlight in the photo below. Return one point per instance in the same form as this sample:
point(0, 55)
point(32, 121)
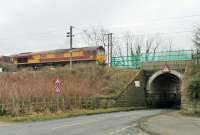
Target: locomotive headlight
point(100, 58)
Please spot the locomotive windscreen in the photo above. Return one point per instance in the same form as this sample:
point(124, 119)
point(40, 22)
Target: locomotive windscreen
point(22, 60)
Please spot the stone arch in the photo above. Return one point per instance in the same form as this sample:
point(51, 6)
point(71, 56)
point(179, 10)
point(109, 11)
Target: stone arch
point(163, 89)
point(160, 72)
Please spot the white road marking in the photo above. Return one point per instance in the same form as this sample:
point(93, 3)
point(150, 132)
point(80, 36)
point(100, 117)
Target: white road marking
point(70, 125)
point(120, 130)
point(4, 124)
point(135, 125)
point(74, 124)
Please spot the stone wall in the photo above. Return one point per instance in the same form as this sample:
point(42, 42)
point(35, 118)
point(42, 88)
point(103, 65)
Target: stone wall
point(189, 106)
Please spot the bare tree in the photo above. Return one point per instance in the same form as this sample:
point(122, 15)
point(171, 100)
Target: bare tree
point(95, 36)
point(157, 44)
point(196, 37)
point(117, 50)
point(155, 48)
point(128, 40)
point(138, 44)
point(149, 44)
point(134, 44)
point(170, 41)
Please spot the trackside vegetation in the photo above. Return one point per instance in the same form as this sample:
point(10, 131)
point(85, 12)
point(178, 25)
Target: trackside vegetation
point(27, 92)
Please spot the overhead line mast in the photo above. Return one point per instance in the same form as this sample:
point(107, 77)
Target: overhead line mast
point(110, 48)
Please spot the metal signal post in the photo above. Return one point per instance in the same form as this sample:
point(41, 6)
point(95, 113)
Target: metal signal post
point(111, 48)
point(70, 35)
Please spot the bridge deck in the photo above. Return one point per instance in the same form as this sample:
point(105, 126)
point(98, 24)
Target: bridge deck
point(173, 65)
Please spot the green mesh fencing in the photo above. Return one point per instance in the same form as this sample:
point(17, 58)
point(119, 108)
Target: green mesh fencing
point(135, 61)
point(167, 56)
point(126, 62)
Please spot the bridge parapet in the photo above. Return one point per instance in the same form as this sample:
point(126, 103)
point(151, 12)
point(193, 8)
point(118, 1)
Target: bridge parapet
point(177, 60)
point(173, 65)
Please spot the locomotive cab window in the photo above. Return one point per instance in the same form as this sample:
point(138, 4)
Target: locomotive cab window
point(93, 52)
point(22, 60)
point(100, 52)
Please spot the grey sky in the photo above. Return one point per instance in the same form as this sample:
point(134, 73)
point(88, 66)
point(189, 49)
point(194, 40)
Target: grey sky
point(33, 25)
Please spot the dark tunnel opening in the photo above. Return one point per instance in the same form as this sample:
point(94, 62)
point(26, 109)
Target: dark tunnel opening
point(165, 91)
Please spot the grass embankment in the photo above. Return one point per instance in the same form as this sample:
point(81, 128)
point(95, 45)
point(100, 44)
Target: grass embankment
point(29, 92)
point(83, 80)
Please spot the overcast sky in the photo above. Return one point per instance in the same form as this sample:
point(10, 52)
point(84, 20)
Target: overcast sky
point(33, 25)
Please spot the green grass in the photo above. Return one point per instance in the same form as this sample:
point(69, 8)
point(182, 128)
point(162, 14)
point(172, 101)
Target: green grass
point(60, 115)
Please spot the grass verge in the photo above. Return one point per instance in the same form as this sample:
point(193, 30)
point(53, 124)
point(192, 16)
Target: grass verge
point(60, 115)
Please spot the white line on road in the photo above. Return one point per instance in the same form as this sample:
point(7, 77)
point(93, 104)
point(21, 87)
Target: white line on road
point(120, 130)
point(70, 125)
point(74, 124)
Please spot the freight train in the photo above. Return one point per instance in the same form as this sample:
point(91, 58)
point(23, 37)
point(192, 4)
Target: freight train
point(59, 57)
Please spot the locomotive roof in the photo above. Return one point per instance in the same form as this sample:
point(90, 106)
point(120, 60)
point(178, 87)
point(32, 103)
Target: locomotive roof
point(58, 51)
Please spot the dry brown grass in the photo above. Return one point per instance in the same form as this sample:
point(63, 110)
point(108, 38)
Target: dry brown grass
point(82, 81)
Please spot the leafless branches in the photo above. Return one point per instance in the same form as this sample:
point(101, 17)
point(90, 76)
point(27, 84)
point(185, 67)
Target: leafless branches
point(95, 36)
point(137, 44)
point(196, 37)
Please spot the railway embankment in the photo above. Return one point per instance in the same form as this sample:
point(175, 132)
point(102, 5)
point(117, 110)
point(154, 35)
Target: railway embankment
point(86, 87)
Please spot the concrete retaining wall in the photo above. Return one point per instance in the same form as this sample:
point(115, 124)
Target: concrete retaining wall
point(133, 96)
point(129, 96)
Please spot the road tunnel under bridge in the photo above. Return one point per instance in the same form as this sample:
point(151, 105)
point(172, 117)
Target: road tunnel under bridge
point(163, 89)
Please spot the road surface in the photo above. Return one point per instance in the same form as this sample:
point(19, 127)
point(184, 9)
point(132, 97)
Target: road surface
point(122, 123)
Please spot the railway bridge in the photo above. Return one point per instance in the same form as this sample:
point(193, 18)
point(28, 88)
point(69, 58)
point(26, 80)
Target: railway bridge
point(162, 74)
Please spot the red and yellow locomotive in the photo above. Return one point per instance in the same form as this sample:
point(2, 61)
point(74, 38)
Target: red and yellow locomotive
point(60, 57)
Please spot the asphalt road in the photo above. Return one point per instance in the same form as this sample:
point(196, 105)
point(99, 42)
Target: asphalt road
point(122, 123)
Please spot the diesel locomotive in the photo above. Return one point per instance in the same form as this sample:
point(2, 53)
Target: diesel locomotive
point(60, 57)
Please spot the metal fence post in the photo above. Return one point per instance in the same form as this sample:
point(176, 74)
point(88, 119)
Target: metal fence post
point(57, 102)
point(13, 106)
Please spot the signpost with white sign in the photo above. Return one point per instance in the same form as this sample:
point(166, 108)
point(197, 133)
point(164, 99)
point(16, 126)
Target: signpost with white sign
point(58, 87)
point(137, 84)
point(58, 91)
point(1, 70)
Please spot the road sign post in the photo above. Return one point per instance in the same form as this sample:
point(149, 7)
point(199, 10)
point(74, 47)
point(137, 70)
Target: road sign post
point(58, 91)
point(58, 87)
